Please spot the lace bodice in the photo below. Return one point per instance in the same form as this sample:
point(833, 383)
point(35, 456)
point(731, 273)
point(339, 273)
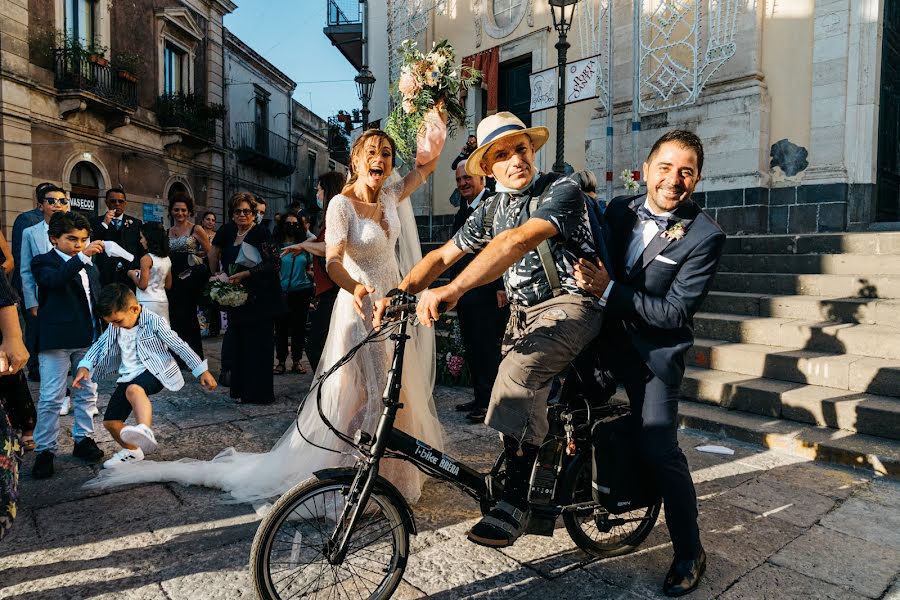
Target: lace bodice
point(185, 243)
point(369, 251)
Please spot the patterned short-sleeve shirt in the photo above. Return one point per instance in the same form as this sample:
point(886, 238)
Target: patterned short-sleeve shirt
point(563, 206)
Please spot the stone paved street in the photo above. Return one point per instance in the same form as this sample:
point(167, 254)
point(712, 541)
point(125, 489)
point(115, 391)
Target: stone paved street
point(773, 526)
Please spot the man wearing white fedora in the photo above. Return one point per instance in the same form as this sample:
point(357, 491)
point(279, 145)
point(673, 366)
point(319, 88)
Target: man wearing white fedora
point(532, 232)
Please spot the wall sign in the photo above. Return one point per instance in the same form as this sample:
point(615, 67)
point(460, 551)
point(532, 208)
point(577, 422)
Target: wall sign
point(82, 203)
point(154, 213)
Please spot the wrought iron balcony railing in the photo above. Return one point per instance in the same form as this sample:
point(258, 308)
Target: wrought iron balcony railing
point(343, 12)
point(189, 112)
point(264, 149)
point(75, 70)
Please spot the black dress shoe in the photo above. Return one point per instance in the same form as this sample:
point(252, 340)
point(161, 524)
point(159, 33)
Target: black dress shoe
point(684, 575)
point(477, 415)
point(467, 407)
point(86, 449)
point(225, 378)
point(43, 465)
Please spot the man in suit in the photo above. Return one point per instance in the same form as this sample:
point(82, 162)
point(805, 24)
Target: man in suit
point(482, 311)
point(665, 251)
point(116, 226)
point(23, 222)
point(69, 287)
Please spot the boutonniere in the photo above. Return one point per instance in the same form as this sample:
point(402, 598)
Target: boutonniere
point(675, 232)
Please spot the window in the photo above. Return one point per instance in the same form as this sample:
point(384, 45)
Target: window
point(174, 70)
point(80, 21)
point(311, 173)
point(331, 165)
point(506, 12)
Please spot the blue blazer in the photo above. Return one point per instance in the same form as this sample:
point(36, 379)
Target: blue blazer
point(652, 305)
point(64, 318)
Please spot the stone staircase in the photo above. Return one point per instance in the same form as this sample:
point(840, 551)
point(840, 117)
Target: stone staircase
point(798, 347)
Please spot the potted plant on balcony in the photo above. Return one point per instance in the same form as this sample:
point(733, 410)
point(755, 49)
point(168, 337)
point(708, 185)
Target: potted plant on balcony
point(130, 65)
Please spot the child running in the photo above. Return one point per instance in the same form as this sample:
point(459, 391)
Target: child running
point(137, 344)
point(155, 275)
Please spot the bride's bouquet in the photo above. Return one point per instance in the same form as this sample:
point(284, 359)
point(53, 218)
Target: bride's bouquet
point(427, 81)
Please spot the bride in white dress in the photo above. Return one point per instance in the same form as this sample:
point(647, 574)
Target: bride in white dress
point(371, 241)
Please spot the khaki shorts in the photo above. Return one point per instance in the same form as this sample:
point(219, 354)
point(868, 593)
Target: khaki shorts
point(539, 343)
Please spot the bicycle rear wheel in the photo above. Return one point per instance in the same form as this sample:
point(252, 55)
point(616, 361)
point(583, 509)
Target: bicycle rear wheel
point(289, 557)
point(593, 528)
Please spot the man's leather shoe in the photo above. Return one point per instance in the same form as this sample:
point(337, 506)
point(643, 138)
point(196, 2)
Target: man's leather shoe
point(684, 575)
point(467, 407)
point(87, 449)
point(43, 465)
point(477, 415)
point(225, 378)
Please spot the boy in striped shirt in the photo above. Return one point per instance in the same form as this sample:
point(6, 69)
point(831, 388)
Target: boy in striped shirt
point(137, 345)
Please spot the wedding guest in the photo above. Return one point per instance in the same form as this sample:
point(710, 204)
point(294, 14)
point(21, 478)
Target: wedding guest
point(116, 226)
point(23, 222)
point(260, 217)
point(649, 309)
point(482, 311)
point(209, 223)
point(251, 326)
point(13, 356)
point(297, 286)
point(68, 289)
point(188, 248)
point(208, 307)
point(155, 275)
point(7, 264)
point(144, 369)
point(328, 186)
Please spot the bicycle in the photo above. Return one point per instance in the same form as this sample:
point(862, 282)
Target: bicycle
point(345, 531)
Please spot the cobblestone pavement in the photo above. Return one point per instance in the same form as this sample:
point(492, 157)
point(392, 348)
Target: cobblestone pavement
point(773, 526)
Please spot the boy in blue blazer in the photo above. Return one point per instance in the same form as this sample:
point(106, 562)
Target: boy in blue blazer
point(137, 346)
point(68, 286)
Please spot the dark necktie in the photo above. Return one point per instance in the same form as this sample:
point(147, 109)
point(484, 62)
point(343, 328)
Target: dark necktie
point(645, 215)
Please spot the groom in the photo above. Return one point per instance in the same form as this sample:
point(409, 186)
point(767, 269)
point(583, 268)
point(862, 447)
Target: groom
point(664, 253)
point(532, 231)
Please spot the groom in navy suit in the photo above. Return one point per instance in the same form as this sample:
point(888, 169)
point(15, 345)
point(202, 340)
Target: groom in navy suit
point(664, 252)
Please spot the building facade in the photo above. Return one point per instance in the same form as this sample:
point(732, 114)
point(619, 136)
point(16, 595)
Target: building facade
point(314, 138)
point(796, 101)
point(89, 101)
point(261, 156)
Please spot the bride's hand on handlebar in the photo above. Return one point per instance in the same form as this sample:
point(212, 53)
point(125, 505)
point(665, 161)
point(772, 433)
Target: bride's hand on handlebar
point(378, 310)
point(359, 294)
point(433, 302)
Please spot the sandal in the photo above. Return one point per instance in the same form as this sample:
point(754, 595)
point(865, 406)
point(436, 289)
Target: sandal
point(279, 369)
point(298, 368)
point(500, 528)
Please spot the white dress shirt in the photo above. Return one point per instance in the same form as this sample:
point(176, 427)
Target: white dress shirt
point(85, 282)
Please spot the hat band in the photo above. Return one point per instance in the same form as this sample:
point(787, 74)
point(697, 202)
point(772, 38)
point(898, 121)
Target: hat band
point(499, 130)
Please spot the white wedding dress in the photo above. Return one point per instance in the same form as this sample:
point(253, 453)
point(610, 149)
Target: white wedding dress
point(352, 397)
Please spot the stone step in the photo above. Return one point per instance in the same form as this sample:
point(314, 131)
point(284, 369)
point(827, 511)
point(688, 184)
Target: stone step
point(878, 341)
point(847, 286)
point(869, 311)
point(841, 372)
point(818, 243)
point(810, 442)
point(868, 414)
point(825, 264)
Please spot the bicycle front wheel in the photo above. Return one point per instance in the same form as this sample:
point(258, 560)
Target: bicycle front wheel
point(289, 557)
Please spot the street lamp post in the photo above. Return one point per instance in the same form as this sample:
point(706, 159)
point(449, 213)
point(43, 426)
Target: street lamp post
point(563, 14)
point(365, 83)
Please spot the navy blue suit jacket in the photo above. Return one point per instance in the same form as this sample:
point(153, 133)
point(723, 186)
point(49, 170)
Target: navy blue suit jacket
point(64, 317)
point(652, 305)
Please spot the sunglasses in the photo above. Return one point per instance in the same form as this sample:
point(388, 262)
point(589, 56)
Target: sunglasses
point(115, 201)
point(243, 211)
point(53, 201)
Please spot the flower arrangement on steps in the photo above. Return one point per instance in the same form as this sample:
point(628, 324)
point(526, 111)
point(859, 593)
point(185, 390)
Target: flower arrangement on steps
point(451, 368)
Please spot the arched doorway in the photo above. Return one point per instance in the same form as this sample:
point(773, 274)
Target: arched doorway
point(85, 195)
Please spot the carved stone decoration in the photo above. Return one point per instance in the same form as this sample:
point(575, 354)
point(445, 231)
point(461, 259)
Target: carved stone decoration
point(530, 19)
point(476, 10)
point(515, 9)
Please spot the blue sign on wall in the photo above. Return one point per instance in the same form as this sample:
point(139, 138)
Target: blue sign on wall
point(154, 212)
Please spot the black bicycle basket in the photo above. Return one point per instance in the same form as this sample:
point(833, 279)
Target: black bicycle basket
point(620, 480)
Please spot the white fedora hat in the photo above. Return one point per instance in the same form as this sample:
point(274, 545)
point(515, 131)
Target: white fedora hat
point(498, 126)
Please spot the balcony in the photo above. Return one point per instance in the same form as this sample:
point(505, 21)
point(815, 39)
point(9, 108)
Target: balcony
point(187, 119)
point(258, 147)
point(345, 29)
point(87, 81)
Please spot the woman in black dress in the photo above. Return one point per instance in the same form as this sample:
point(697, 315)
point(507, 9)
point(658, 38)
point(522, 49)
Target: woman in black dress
point(188, 248)
point(251, 327)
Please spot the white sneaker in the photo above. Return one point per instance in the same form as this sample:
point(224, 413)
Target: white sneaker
point(123, 457)
point(66, 406)
point(139, 435)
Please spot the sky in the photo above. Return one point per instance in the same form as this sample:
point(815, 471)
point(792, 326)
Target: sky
point(288, 33)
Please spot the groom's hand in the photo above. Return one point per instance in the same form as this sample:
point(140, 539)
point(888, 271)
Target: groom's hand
point(427, 308)
point(591, 277)
point(378, 310)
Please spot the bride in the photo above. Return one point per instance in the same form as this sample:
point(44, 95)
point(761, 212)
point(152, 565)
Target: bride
point(371, 240)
